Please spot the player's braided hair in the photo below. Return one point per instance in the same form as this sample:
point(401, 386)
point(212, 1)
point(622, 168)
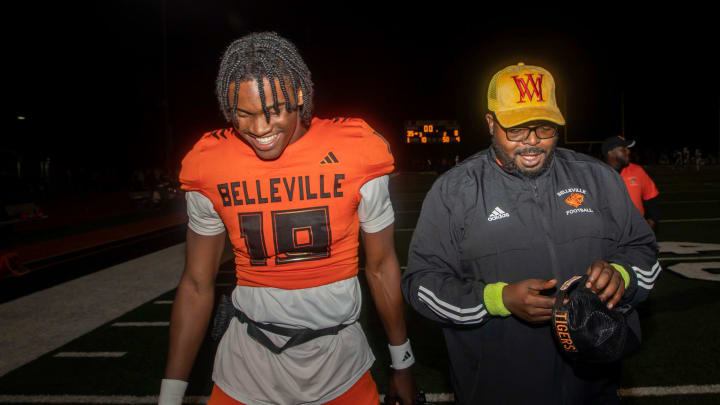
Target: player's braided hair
point(259, 55)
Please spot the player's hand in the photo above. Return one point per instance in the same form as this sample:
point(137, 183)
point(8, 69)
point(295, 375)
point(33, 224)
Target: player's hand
point(606, 282)
point(402, 386)
point(524, 300)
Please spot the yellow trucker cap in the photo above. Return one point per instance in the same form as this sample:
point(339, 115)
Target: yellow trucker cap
point(520, 94)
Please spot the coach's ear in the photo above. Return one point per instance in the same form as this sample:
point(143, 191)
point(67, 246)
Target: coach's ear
point(490, 122)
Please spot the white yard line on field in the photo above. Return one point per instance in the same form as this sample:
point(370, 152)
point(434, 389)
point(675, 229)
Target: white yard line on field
point(90, 354)
point(672, 390)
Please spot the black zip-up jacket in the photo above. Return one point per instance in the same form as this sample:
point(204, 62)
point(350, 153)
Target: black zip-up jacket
point(481, 225)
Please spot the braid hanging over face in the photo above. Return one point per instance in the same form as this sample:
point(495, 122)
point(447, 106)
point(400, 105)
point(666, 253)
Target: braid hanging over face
point(264, 55)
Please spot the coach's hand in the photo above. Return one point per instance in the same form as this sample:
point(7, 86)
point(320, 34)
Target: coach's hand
point(605, 281)
point(524, 300)
point(402, 386)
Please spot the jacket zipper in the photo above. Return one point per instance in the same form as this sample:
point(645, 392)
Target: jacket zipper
point(555, 269)
point(548, 239)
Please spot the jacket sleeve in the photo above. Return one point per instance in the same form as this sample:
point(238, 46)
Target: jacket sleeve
point(433, 283)
point(633, 244)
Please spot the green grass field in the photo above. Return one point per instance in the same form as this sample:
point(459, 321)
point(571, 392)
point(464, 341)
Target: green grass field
point(681, 339)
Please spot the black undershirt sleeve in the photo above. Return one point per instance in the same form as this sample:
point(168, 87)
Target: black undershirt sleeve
point(652, 208)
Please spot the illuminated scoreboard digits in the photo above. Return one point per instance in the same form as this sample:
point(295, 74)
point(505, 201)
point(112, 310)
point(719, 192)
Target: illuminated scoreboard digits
point(432, 132)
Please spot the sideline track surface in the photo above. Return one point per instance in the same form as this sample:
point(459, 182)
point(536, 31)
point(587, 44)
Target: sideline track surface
point(72, 309)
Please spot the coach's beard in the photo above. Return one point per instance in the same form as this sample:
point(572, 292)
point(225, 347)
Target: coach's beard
point(508, 162)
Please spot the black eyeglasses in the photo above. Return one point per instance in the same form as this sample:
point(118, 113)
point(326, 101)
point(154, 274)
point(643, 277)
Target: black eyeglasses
point(519, 134)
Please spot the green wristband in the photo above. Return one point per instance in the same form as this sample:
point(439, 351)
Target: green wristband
point(623, 273)
point(493, 299)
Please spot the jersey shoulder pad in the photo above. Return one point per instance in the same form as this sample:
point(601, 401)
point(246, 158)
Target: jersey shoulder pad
point(357, 133)
point(201, 158)
point(371, 150)
point(217, 135)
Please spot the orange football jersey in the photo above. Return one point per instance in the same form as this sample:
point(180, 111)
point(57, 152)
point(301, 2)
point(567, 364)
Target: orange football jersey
point(292, 221)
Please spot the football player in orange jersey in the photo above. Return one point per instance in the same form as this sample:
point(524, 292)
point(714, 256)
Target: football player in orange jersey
point(291, 193)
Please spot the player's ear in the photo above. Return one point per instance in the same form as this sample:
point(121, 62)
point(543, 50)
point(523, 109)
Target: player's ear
point(299, 97)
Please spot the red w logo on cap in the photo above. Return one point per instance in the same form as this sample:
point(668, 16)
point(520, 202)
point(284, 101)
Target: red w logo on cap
point(522, 86)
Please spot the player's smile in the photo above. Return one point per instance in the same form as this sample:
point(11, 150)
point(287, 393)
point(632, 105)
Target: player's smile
point(267, 137)
point(265, 143)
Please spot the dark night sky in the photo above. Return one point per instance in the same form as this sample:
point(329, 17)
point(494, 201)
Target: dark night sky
point(90, 77)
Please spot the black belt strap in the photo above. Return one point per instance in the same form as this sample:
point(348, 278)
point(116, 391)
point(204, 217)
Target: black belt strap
point(297, 336)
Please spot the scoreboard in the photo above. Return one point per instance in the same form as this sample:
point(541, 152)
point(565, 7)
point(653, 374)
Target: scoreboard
point(432, 132)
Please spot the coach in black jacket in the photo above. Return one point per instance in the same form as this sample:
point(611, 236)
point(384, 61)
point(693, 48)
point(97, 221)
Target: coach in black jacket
point(500, 230)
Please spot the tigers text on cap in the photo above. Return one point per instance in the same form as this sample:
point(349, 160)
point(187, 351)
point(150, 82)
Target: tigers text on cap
point(520, 94)
point(615, 141)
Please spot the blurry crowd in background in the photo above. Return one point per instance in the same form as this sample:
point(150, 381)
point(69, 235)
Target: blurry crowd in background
point(28, 183)
point(686, 158)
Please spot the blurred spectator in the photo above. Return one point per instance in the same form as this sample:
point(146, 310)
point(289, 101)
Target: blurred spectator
point(677, 159)
point(642, 190)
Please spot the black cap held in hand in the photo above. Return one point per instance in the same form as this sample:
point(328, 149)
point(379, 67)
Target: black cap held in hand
point(585, 329)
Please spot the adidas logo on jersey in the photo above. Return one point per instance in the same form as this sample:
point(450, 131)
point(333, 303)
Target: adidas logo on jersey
point(329, 158)
point(497, 214)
